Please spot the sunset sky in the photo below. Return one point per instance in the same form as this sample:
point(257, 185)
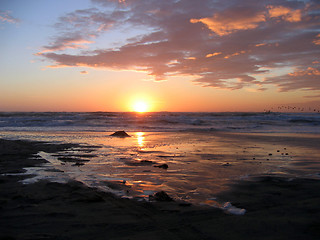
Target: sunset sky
point(187, 55)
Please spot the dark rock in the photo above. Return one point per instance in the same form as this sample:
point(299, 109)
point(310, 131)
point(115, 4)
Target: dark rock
point(122, 134)
point(161, 197)
point(164, 166)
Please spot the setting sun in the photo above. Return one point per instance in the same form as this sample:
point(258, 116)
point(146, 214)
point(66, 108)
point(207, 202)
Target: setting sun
point(140, 106)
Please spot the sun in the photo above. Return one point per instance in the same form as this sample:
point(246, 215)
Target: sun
point(140, 106)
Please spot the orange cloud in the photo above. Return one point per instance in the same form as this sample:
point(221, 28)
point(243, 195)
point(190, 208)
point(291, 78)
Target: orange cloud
point(234, 54)
point(213, 54)
point(228, 22)
point(317, 41)
point(310, 72)
point(260, 44)
point(285, 13)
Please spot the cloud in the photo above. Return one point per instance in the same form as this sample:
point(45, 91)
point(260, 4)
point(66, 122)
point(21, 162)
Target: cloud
point(84, 72)
point(65, 42)
point(317, 40)
point(306, 79)
point(218, 43)
point(78, 29)
point(312, 96)
point(285, 13)
point(234, 54)
point(6, 17)
point(213, 54)
point(231, 20)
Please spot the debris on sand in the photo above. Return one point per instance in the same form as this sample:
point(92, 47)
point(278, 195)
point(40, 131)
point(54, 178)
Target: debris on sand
point(122, 134)
point(164, 166)
point(230, 209)
point(226, 164)
point(77, 164)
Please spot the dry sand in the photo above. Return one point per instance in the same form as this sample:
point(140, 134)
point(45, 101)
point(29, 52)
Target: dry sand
point(277, 207)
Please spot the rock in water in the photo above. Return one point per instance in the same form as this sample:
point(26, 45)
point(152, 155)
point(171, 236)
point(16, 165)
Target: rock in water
point(122, 134)
point(162, 197)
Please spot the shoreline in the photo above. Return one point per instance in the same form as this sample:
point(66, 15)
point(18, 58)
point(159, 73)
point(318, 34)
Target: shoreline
point(277, 208)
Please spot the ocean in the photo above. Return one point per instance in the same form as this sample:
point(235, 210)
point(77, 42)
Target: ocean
point(204, 152)
point(161, 122)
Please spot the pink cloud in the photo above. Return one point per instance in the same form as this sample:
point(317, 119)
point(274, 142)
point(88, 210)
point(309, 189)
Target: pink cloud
point(6, 17)
point(218, 43)
point(60, 44)
point(79, 28)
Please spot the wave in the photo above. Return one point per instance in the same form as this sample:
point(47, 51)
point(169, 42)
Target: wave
point(305, 121)
point(161, 121)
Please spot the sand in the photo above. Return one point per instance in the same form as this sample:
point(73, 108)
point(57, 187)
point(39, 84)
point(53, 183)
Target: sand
point(277, 206)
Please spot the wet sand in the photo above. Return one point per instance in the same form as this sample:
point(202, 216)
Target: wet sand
point(277, 206)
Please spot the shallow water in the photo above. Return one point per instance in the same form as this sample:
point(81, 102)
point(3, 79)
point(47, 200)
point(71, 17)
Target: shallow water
point(200, 165)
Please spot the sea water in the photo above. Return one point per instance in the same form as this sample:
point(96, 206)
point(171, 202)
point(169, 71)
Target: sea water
point(161, 122)
point(202, 160)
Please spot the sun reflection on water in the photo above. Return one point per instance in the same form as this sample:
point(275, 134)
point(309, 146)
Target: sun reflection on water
point(140, 138)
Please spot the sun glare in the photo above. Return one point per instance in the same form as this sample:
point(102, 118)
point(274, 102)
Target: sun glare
point(140, 106)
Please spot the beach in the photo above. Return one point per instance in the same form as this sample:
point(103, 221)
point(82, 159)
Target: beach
point(278, 204)
point(160, 120)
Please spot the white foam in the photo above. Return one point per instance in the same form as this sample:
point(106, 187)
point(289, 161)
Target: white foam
point(229, 208)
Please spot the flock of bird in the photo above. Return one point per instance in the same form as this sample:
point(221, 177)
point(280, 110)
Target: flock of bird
point(293, 109)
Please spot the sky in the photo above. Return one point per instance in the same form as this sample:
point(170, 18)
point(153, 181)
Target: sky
point(187, 55)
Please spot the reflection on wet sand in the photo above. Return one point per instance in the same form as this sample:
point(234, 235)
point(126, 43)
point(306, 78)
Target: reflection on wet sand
point(199, 165)
point(140, 138)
